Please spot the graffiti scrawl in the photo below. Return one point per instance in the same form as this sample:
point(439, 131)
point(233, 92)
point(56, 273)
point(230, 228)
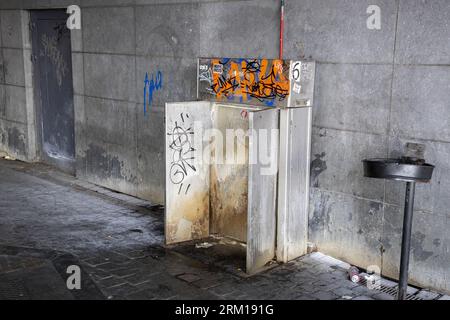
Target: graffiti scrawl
point(260, 81)
point(150, 85)
point(182, 153)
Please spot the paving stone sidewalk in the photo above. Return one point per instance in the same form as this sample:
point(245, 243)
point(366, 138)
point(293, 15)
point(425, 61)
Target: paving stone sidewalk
point(49, 220)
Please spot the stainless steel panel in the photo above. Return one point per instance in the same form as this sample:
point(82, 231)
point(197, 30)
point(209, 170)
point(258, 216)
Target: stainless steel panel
point(261, 234)
point(293, 184)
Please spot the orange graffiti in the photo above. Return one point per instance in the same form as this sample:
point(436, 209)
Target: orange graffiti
point(261, 79)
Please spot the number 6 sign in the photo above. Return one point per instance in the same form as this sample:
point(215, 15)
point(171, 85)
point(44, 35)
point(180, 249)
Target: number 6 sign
point(296, 69)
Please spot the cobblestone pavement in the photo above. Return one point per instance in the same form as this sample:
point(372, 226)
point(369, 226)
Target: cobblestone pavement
point(49, 220)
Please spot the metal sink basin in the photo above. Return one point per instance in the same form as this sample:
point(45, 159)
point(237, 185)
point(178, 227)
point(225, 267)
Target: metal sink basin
point(397, 169)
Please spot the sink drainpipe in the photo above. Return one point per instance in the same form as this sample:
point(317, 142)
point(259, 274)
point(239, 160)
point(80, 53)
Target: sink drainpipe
point(281, 28)
point(406, 240)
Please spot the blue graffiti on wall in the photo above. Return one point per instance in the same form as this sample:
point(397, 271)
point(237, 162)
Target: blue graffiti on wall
point(155, 83)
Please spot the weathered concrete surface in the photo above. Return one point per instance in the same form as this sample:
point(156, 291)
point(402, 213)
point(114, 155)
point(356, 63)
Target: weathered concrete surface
point(2, 70)
point(150, 153)
point(353, 97)
point(369, 103)
point(51, 221)
point(78, 73)
point(168, 30)
point(420, 102)
point(335, 31)
point(430, 197)
point(230, 29)
point(2, 101)
point(109, 76)
point(10, 22)
point(347, 227)
point(344, 173)
point(179, 80)
point(113, 34)
point(423, 32)
point(110, 154)
point(13, 67)
point(429, 247)
point(15, 104)
point(13, 138)
point(14, 135)
point(375, 91)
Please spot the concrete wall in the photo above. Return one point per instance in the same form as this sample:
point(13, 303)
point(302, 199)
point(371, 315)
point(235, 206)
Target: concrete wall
point(17, 131)
point(375, 91)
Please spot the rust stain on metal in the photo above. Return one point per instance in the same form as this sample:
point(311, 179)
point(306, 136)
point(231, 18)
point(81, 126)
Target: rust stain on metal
point(229, 181)
point(189, 219)
point(229, 199)
point(259, 262)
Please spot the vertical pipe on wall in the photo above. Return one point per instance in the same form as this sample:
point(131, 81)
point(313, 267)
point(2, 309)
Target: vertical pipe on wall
point(281, 29)
point(406, 240)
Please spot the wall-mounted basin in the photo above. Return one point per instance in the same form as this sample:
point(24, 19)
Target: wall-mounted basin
point(398, 169)
point(411, 170)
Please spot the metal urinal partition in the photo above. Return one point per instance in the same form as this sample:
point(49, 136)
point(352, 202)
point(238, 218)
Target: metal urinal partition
point(237, 162)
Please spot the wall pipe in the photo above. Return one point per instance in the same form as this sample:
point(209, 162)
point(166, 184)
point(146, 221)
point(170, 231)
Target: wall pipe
point(406, 240)
point(281, 28)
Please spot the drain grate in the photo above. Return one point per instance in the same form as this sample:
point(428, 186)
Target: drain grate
point(392, 291)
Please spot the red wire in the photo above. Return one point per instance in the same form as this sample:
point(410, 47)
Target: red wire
point(281, 28)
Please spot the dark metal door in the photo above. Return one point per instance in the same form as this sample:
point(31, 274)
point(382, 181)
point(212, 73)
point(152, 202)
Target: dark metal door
point(52, 58)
